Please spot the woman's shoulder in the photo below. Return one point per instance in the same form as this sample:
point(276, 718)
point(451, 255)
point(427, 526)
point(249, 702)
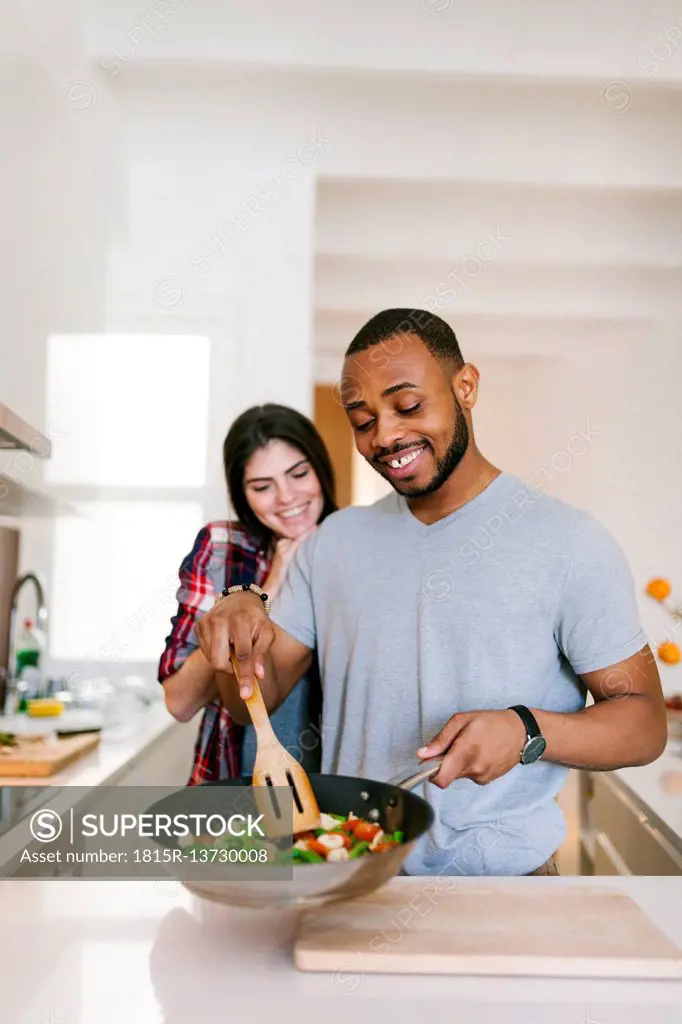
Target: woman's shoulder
point(224, 532)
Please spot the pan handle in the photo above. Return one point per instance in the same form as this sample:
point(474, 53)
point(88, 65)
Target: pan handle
point(425, 770)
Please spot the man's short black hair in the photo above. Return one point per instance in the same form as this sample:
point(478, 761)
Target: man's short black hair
point(436, 334)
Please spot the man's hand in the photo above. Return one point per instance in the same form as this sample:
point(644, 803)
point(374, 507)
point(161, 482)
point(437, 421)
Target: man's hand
point(480, 745)
point(239, 624)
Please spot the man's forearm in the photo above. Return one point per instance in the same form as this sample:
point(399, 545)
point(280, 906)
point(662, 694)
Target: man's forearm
point(612, 733)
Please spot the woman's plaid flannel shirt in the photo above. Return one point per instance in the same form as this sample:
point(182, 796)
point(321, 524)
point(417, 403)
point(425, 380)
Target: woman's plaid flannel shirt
point(222, 551)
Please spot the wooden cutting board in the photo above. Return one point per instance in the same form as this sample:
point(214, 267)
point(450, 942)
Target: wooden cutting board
point(41, 758)
point(492, 928)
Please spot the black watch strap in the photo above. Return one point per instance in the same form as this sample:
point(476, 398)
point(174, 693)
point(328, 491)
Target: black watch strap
point(528, 719)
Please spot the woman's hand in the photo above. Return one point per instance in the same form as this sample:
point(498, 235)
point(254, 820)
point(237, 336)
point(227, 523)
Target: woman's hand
point(480, 745)
point(285, 550)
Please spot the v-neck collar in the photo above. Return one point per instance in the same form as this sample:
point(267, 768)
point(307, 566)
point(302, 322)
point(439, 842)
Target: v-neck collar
point(488, 493)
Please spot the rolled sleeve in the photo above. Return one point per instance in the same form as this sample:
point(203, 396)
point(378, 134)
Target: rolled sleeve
point(195, 596)
point(293, 608)
point(598, 622)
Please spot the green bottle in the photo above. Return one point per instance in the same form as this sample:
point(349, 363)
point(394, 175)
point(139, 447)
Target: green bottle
point(28, 655)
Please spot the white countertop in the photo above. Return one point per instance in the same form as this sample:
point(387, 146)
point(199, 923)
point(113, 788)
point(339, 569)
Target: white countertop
point(84, 952)
point(116, 750)
point(659, 786)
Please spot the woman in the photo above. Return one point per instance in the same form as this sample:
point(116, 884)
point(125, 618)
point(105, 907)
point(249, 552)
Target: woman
point(281, 485)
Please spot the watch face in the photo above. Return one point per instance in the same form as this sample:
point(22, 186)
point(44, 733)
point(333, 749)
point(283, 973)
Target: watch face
point(534, 749)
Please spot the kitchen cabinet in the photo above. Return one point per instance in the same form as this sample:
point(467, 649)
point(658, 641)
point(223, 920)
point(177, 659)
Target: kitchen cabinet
point(17, 500)
point(619, 833)
point(332, 423)
point(9, 572)
point(607, 860)
point(16, 497)
point(165, 762)
point(17, 433)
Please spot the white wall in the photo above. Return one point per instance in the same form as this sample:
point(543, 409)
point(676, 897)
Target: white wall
point(114, 189)
point(195, 260)
point(99, 238)
point(58, 205)
point(526, 422)
point(435, 37)
point(368, 485)
point(636, 484)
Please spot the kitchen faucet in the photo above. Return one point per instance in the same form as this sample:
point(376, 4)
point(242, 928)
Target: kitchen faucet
point(41, 620)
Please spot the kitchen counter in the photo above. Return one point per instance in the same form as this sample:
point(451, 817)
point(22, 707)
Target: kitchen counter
point(85, 952)
point(658, 787)
point(631, 818)
point(149, 749)
point(115, 752)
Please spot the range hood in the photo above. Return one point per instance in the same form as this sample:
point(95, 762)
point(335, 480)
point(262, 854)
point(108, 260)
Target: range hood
point(17, 433)
point(17, 499)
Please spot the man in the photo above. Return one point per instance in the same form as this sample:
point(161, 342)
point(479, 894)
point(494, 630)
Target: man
point(433, 612)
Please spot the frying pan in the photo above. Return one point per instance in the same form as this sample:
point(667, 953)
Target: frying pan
point(389, 804)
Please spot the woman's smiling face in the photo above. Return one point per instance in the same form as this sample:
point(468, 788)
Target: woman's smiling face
point(283, 490)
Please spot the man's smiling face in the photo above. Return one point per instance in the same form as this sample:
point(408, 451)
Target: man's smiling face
point(404, 413)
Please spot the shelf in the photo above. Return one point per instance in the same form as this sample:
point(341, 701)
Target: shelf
point(17, 433)
point(18, 500)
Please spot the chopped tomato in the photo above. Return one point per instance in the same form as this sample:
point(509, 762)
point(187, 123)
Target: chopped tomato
point(305, 836)
point(383, 847)
point(349, 826)
point(364, 830)
point(318, 847)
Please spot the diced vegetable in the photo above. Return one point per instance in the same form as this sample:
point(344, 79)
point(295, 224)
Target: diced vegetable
point(339, 838)
point(377, 838)
point(329, 821)
point(317, 847)
point(308, 855)
point(338, 854)
point(383, 847)
point(366, 831)
point(332, 841)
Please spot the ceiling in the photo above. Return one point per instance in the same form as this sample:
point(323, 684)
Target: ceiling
point(514, 164)
point(578, 39)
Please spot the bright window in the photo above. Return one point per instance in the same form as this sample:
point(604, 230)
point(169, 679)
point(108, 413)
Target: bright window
point(116, 570)
point(129, 415)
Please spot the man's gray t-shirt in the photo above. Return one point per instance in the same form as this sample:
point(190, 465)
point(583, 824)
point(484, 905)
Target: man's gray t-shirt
point(505, 601)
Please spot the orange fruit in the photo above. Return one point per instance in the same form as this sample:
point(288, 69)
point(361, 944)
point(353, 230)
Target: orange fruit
point(659, 589)
point(669, 653)
point(671, 783)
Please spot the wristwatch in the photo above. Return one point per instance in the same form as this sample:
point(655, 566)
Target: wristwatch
point(240, 587)
point(535, 744)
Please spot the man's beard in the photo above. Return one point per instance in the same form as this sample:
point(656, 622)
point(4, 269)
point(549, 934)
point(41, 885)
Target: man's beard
point(446, 466)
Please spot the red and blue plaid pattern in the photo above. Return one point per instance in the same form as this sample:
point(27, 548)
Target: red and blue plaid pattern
point(223, 555)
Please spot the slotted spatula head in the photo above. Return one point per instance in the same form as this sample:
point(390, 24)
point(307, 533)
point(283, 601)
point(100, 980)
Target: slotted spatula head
point(275, 768)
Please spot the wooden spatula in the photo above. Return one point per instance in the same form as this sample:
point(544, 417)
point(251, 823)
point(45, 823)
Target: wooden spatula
point(274, 766)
